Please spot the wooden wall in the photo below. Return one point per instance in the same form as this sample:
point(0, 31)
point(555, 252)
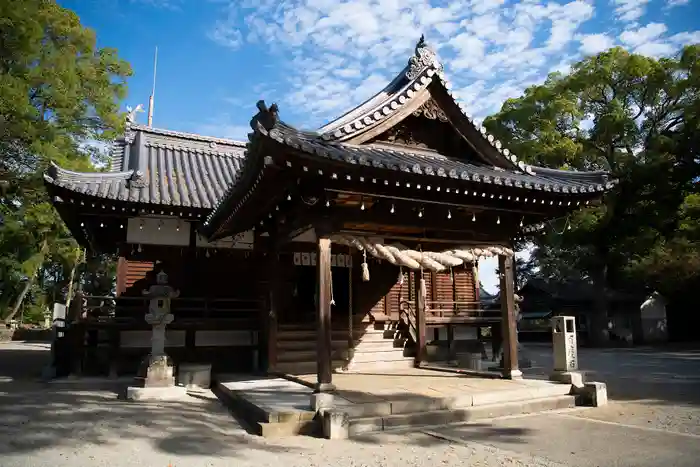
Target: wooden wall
point(382, 295)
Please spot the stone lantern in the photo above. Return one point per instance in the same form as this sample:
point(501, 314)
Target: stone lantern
point(156, 376)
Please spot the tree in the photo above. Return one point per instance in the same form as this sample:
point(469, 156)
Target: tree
point(636, 117)
point(58, 94)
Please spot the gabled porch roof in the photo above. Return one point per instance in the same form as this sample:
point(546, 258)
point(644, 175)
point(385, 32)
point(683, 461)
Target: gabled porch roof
point(489, 173)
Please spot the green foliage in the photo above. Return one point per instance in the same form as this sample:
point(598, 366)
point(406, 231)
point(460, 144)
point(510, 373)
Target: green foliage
point(639, 118)
point(59, 98)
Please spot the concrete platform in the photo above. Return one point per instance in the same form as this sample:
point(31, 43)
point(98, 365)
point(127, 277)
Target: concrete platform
point(377, 402)
point(170, 393)
point(272, 406)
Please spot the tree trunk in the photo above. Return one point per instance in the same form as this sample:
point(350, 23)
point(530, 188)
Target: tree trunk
point(27, 286)
point(20, 299)
point(72, 279)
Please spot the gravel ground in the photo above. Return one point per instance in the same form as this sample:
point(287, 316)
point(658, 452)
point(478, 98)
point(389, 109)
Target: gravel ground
point(69, 427)
point(649, 414)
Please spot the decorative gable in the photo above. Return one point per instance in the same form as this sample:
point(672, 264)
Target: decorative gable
point(427, 128)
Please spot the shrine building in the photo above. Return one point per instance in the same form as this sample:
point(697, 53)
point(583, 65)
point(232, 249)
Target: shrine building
point(290, 248)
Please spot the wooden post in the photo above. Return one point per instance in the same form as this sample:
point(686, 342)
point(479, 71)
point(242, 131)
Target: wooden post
point(122, 266)
point(267, 277)
point(275, 279)
point(324, 374)
point(420, 316)
point(351, 319)
point(508, 322)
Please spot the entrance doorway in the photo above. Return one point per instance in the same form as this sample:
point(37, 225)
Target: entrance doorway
point(304, 299)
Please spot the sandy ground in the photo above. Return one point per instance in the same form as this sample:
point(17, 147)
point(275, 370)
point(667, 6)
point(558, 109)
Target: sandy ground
point(654, 421)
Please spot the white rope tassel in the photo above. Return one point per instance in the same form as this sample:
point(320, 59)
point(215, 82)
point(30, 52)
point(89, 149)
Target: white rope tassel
point(365, 268)
point(332, 299)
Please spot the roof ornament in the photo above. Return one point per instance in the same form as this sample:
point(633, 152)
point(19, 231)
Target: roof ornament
point(138, 180)
point(424, 57)
point(131, 113)
point(267, 117)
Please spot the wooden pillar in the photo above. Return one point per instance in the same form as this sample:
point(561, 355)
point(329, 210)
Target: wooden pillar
point(274, 305)
point(420, 316)
point(351, 319)
point(508, 322)
point(324, 374)
point(122, 266)
point(267, 276)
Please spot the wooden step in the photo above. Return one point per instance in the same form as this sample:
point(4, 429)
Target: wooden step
point(303, 368)
point(379, 345)
point(300, 356)
point(374, 366)
point(379, 356)
point(308, 344)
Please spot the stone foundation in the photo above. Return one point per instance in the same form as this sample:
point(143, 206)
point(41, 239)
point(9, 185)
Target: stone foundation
point(156, 372)
point(194, 375)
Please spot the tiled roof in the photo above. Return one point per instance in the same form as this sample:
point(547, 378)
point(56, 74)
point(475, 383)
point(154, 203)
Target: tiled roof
point(433, 164)
point(165, 168)
point(426, 163)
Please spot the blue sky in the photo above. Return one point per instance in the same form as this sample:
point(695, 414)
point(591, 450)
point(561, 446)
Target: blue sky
point(318, 58)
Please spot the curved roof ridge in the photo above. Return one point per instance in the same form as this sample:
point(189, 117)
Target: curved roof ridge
point(395, 94)
point(185, 135)
point(368, 105)
point(55, 171)
point(569, 173)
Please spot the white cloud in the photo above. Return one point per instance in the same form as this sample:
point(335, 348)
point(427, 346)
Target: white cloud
point(592, 44)
point(649, 40)
point(643, 35)
point(165, 4)
point(336, 53)
point(630, 10)
point(672, 3)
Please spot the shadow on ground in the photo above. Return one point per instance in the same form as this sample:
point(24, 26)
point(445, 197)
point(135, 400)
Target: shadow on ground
point(667, 375)
point(23, 360)
point(38, 416)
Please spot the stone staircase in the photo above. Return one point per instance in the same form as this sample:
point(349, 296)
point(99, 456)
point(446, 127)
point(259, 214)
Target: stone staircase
point(376, 347)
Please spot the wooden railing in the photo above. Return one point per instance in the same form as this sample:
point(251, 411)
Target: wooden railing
point(124, 310)
point(456, 312)
point(407, 315)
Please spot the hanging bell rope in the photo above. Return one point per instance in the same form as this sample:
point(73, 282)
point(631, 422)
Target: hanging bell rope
point(365, 268)
point(400, 255)
point(332, 299)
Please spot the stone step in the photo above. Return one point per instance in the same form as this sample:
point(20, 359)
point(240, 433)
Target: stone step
point(359, 426)
point(266, 421)
point(362, 367)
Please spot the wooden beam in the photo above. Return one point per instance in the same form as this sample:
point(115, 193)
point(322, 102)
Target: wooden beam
point(509, 324)
point(324, 343)
point(420, 316)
